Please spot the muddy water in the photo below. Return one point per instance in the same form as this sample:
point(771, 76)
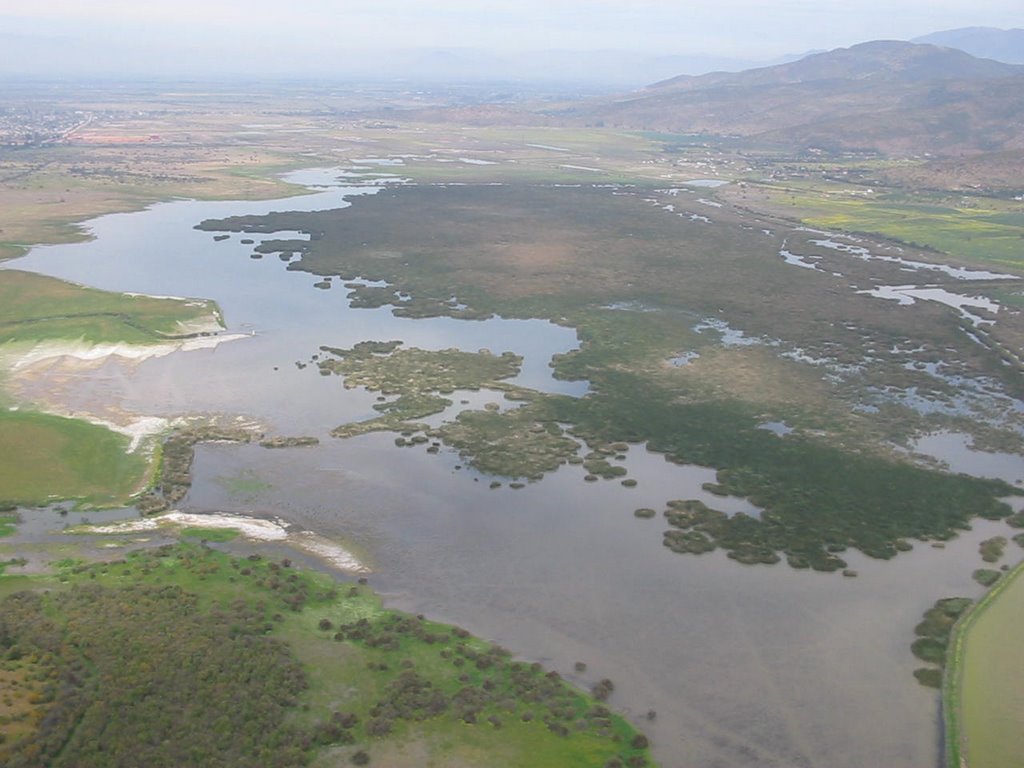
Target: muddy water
point(955, 450)
point(745, 666)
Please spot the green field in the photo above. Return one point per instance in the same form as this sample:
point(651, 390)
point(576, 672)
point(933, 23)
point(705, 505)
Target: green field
point(984, 230)
point(48, 458)
point(8, 523)
point(37, 308)
point(984, 696)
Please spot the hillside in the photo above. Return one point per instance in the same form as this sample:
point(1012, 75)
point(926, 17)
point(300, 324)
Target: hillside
point(885, 96)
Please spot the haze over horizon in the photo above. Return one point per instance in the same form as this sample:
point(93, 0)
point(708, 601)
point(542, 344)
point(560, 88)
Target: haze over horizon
point(525, 39)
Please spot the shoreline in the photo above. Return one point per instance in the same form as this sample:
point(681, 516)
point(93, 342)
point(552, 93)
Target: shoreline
point(84, 352)
point(66, 359)
point(257, 529)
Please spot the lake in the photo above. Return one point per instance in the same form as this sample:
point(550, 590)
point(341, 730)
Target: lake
point(744, 665)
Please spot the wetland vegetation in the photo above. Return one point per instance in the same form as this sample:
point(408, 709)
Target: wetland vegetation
point(637, 283)
point(933, 636)
point(174, 472)
point(520, 442)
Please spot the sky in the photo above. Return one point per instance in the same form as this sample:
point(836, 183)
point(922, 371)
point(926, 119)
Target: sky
point(290, 37)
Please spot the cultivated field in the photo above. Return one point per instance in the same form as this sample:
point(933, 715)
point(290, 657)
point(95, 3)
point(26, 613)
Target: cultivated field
point(989, 680)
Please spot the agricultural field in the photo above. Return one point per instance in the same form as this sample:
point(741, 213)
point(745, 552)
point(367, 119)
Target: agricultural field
point(984, 692)
point(970, 228)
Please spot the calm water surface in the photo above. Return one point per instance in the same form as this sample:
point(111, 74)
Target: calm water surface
point(745, 666)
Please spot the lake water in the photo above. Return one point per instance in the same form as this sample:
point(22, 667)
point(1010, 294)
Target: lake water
point(745, 666)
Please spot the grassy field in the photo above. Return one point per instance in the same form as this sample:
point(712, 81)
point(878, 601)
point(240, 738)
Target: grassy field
point(287, 666)
point(47, 458)
point(984, 230)
point(36, 308)
point(8, 523)
point(984, 695)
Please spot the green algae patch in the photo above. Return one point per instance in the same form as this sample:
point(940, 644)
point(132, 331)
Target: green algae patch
point(986, 576)
point(246, 483)
point(48, 458)
point(930, 677)
point(257, 657)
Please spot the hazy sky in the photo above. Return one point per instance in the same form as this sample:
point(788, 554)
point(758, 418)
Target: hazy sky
point(286, 36)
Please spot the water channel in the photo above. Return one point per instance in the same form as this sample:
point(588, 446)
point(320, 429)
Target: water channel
point(745, 666)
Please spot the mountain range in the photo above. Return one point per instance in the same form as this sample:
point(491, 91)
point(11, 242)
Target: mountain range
point(891, 97)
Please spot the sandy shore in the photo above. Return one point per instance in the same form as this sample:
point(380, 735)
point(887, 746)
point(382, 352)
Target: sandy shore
point(83, 352)
point(252, 528)
point(45, 376)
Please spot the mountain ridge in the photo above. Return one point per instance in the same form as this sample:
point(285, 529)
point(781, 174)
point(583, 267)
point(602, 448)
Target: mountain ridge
point(879, 59)
point(882, 96)
point(1005, 45)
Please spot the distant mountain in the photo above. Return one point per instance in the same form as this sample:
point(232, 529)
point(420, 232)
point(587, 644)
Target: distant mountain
point(1006, 45)
point(878, 61)
point(886, 96)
